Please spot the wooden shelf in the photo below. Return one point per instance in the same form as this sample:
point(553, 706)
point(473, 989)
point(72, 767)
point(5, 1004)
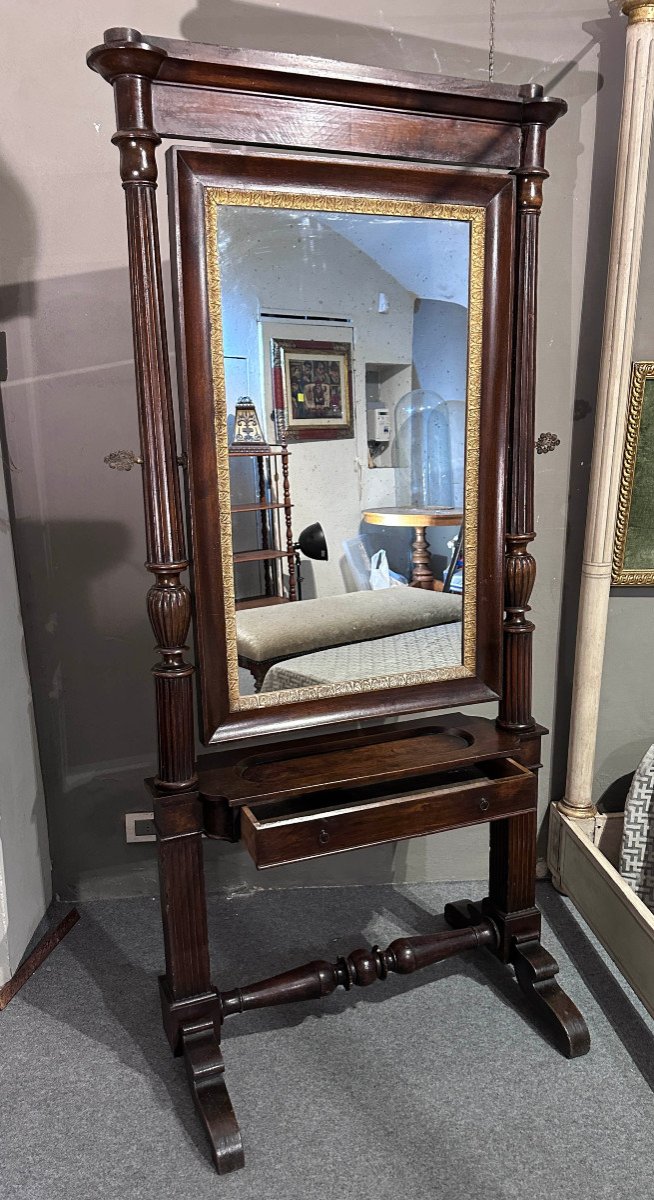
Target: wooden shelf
point(272, 556)
point(243, 556)
point(261, 602)
point(240, 508)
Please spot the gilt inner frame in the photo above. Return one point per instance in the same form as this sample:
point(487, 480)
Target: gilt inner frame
point(475, 215)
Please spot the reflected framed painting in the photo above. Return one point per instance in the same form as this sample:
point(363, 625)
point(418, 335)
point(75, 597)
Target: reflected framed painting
point(633, 554)
point(312, 389)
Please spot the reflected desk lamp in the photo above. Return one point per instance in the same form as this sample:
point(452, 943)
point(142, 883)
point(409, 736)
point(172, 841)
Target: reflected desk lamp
point(312, 543)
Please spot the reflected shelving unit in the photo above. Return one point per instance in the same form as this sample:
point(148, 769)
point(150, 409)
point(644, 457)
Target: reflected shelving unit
point(271, 527)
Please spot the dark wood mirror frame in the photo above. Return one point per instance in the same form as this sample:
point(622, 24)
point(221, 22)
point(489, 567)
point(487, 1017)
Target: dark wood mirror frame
point(386, 133)
point(192, 177)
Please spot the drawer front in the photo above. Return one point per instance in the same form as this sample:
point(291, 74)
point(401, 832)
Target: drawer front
point(272, 840)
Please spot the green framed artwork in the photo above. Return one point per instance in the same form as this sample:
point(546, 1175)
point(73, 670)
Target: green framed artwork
point(633, 554)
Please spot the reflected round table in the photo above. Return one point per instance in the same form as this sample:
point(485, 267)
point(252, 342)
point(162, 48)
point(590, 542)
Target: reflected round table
point(420, 519)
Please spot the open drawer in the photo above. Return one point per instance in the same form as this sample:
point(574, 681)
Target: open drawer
point(330, 822)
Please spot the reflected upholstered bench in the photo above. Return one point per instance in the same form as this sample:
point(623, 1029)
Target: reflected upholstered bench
point(266, 636)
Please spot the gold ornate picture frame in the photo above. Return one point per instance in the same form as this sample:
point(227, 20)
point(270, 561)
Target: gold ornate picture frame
point(633, 553)
point(312, 388)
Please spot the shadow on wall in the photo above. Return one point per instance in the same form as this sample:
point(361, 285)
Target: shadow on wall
point(78, 531)
point(89, 658)
point(90, 679)
point(259, 27)
point(18, 248)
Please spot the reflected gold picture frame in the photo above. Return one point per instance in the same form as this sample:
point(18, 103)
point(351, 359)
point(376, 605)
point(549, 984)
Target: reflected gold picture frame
point(300, 368)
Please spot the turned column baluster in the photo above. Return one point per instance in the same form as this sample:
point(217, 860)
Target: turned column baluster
point(360, 968)
point(288, 519)
point(190, 1003)
point(520, 566)
point(131, 64)
point(421, 572)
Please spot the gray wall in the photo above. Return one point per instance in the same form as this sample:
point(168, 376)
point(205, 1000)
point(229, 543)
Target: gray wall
point(70, 396)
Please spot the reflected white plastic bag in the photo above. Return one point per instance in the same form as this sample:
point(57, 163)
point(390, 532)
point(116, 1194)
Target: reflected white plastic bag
point(381, 575)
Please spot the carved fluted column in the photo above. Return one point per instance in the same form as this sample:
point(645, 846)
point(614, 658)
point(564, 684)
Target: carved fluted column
point(131, 64)
point(612, 402)
point(512, 867)
point(520, 567)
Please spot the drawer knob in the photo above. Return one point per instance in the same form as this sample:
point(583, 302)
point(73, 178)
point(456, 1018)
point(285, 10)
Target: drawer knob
point(323, 837)
point(484, 804)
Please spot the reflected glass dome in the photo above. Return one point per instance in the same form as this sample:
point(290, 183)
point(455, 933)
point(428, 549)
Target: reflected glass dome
point(428, 450)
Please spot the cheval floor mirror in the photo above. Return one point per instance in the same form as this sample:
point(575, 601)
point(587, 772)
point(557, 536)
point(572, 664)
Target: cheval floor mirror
point(370, 204)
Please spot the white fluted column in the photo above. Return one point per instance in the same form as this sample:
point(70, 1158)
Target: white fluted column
point(612, 401)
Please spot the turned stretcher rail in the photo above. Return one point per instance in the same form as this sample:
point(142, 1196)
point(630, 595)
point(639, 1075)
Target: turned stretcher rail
point(361, 968)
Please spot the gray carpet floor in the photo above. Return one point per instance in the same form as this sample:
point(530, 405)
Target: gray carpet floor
point(435, 1085)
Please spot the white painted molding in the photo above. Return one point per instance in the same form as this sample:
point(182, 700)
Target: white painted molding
point(619, 319)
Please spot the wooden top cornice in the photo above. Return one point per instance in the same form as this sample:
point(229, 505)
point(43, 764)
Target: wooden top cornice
point(170, 61)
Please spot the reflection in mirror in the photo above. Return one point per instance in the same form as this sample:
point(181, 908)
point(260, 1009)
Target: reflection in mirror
point(351, 395)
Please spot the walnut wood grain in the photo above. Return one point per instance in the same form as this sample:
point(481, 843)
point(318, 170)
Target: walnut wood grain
point(371, 816)
point(512, 879)
point(308, 78)
point(178, 824)
point(191, 172)
point(282, 122)
point(191, 1009)
point(535, 971)
point(371, 756)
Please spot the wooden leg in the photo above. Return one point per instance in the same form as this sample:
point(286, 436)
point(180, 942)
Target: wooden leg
point(535, 970)
point(258, 670)
point(205, 1070)
point(512, 879)
point(511, 907)
point(421, 573)
point(190, 1003)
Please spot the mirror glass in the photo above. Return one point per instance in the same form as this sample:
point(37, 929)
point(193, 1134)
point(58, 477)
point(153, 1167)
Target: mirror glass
point(346, 348)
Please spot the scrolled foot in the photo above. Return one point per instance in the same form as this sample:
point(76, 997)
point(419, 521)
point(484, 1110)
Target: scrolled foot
point(206, 1074)
point(535, 970)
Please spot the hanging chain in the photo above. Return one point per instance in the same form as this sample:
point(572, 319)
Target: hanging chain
point(491, 41)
